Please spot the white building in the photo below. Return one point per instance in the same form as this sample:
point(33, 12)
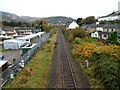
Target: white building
point(30, 38)
point(73, 25)
point(112, 17)
point(95, 34)
point(13, 43)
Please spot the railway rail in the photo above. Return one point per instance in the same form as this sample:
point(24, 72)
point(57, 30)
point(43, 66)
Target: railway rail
point(63, 73)
point(67, 71)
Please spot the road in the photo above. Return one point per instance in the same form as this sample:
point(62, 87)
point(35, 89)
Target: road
point(65, 72)
point(10, 55)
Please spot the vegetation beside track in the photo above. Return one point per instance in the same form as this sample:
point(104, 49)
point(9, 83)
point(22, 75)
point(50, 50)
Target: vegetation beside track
point(35, 73)
point(103, 68)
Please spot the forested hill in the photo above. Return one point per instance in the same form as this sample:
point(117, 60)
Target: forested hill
point(58, 19)
point(51, 20)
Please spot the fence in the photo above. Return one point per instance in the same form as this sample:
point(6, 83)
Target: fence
point(16, 67)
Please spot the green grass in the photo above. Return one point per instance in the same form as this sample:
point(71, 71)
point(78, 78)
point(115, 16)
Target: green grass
point(35, 73)
point(4, 50)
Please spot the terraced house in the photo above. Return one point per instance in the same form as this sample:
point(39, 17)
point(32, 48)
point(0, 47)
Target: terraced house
point(27, 31)
point(103, 31)
point(8, 31)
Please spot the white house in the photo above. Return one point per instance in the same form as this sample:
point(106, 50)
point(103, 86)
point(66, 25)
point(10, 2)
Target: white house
point(100, 35)
point(73, 25)
point(104, 30)
point(95, 34)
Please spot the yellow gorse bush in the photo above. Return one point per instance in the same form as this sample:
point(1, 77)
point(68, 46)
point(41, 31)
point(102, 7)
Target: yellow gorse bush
point(85, 49)
point(88, 49)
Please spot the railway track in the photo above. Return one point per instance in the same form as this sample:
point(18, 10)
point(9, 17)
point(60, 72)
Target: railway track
point(66, 66)
point(63, 73)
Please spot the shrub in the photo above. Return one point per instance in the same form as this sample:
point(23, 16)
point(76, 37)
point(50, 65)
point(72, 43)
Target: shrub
point(112, 39)
point(78, 41)
point(70, 37)
point(48, 41)
point(88, 49)
point(78, 32)
point(106, 70)
point(103, 59)
point(91, 40)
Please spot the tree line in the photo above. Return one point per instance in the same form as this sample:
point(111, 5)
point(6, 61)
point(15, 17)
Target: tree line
point(16, 24)
point(38, 24)
point(87, 20)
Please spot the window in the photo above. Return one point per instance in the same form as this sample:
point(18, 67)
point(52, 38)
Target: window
point(95, 34)
point(105, 35)
point(112, 30)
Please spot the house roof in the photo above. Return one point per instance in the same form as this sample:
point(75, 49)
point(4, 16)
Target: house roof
point(103, 33)
point(10, 33)
point(100, 25)
point(26, 29)
point(117, 26)
point(112, 14)
point(85, 27)
point(1, 29)
point(2, 62)
point(14, 40)
point(9, 29)
point(31, 36)
point(92, 26)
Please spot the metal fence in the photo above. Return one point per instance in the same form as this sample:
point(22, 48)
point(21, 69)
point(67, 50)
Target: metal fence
point(16, 67)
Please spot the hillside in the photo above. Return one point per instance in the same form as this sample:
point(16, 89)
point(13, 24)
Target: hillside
point(51, 20)
point(9, 17)
point(13, 17)
point(58, 19)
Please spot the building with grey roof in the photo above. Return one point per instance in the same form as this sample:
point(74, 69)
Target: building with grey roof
point(27, 31)
point(104, 30)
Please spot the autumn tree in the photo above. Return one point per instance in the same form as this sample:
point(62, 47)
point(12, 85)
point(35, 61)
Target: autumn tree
point(37, 24)
point(44, 25)
point(89, 20)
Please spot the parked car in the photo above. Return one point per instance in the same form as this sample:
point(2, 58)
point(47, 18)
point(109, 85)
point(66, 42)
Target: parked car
point(26, 45)
point(1, 57)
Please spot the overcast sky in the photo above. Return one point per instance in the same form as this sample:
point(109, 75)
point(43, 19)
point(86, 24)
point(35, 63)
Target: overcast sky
point(69, 8)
